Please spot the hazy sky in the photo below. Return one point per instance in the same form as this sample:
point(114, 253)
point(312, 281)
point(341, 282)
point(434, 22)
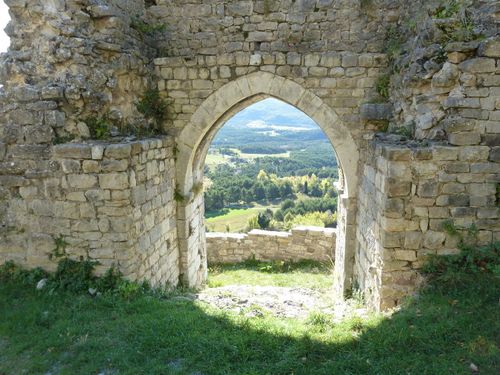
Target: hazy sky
point(4, 20)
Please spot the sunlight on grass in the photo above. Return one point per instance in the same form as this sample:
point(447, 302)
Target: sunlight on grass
point(234, 218)
point(314, 276)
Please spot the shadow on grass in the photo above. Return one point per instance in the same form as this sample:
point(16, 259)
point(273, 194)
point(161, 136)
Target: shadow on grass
point(442, 332)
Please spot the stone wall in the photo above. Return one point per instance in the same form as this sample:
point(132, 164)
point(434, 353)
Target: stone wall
point(109, 202)
point(440, 164)
point(71, 60)
point(301, 243)
point(407, 195)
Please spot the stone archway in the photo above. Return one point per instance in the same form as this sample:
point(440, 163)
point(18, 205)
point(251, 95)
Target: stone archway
point(193, 143)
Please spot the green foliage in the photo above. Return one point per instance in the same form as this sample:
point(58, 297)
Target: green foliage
point(405, 131)
point(146, 28)
point(99, 127)
point(197, 188)
point(442, 331)
point(76, 276)
point(10, 272)
point(153, 107)
point(60, 249)
point(264, 219)
point(62, 139)
point(382, 85)
point(319, 321)
point(459, 269)
point(178, 196)
point(394, 43)
point(317, 219)
point(449, 9)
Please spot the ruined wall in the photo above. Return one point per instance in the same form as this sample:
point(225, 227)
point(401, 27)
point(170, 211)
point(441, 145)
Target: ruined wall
point(441, 163)
point(109, 202)
point(74, 59)
point(301, 243)
point(333, 48)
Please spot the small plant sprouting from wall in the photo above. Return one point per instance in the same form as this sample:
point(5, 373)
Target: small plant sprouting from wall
point(100, 128)
point(382, 85)
point(146, 28)
point(153, 108)
point(197, 188)
point(60, 250)
point(449, 9)
point(462, 30)
point(60, 139)
point(394, 43)
point(178, 196)
point(471, 232)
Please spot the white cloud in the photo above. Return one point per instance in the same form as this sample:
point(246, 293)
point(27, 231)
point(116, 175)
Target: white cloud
point(257, 124)
point(4, 20)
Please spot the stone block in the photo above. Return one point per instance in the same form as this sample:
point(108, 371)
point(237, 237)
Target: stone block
point(474, 153)
point(72, 151)
point(114, 181)
point(433, 240)
point(478, 65)
point(406, 255)
point(495, 154)
point(490, 48)
point(427, 189)
point(70, 166)
point(90, 166)
point(118, 151)
point(464, 139)
point(82, 181)
point(444, 153)
point(413, 240)
point(376, 111)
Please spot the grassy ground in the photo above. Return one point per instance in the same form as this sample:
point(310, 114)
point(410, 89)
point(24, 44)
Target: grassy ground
point(235, 218)
point(311, 275)
point(442, 332)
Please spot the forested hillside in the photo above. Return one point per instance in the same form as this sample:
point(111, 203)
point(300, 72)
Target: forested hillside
point(273, 163)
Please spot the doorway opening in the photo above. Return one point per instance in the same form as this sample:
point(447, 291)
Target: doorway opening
point(271, 181)
point(270, 167)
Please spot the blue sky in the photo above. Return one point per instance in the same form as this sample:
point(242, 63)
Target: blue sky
point(270, 112)
point(4, 20)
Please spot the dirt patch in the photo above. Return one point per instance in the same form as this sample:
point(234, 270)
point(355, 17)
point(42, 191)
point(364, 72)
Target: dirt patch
point(282, 302)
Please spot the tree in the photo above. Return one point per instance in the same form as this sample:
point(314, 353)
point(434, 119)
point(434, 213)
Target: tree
point(272, 190)
point(264, 220)
point(259, 192)
point(286, 189)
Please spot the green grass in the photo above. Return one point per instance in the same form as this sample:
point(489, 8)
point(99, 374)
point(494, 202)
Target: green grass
point(442, 332)
point(235, 218)
point(313, 275)
point(213, 160)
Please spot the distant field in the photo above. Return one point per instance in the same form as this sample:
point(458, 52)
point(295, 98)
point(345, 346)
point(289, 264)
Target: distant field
point(254, 156)
point(236, 218)
point(214, 159)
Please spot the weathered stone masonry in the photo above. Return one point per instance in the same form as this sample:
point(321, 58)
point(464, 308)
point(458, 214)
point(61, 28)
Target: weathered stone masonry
point(72, 59)
point(301, 243)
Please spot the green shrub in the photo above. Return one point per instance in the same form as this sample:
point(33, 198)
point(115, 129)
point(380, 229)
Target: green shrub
point(458, 270)
point(146, 28)
point(382, 85)
point(449, 9)
point(153, 107)
point(99, 127)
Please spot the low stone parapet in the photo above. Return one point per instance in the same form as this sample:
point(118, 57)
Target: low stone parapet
point(301, 243)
